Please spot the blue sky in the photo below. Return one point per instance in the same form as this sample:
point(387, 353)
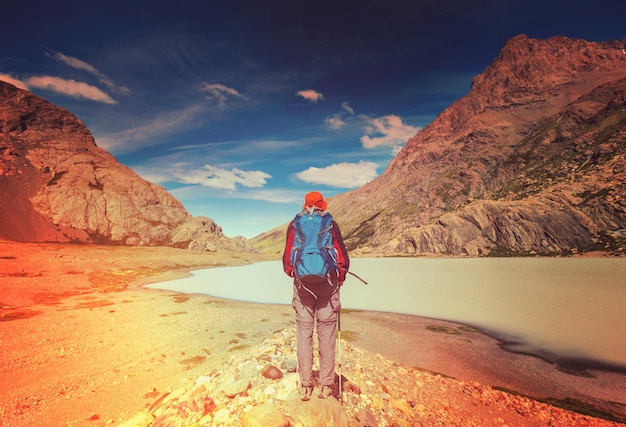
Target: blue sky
point(240, 107)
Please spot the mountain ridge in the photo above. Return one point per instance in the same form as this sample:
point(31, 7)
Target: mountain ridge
point(530, 161)
point(57, 185)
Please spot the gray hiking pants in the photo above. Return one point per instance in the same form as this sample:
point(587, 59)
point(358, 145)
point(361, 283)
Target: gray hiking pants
point(316, 300)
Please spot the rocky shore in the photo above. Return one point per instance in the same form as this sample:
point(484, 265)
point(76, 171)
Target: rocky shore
point(83, 343)
point(258, 387)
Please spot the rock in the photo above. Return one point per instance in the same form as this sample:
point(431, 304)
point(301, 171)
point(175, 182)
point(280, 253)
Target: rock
point(403, 406)
point(249, 369)
point(234, 387)
point(289, 365)
point(266, 415)
point(222, 416)
point(271, 372)
point(366, 418)
point(316, 412)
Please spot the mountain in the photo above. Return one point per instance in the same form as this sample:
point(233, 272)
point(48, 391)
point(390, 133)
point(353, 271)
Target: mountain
point(531, 161)
point(56, 185)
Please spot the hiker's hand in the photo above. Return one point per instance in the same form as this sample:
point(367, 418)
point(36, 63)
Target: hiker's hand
point(341, 277)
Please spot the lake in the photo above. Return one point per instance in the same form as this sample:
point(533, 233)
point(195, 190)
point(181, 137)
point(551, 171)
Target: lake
point(557, 308)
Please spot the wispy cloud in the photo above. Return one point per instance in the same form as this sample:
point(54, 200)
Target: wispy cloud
point(341, 175)
point(70, 88)
point(150, 133)
point(215, 177)
point(278, 195)
point(14, 81)
point(82, 65)
point(388, 130)
point(231, 153)
point(221, 93)
point(310, 95)
point(274, 196)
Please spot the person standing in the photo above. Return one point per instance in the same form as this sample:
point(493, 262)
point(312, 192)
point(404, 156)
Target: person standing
point(315, 256)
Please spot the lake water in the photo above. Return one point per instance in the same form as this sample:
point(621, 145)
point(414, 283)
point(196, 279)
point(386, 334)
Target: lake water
point(557, 308)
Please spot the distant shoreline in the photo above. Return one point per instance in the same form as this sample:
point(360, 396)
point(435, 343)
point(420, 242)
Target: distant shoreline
point(572, 365)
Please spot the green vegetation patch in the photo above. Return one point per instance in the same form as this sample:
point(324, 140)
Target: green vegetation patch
point(588, 195)
point(56, 178)
point(192, 362)
point(181, 298)
point(350, 310)
point(500, 252)
point(468, 329)
point(605, 241)
point(362, 234)
point(17, 315)
point(349, 336)
point(443, 330)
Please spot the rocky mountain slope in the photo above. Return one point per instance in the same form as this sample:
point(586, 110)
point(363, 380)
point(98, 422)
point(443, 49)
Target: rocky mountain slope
point(531, 161)
point(56, 185)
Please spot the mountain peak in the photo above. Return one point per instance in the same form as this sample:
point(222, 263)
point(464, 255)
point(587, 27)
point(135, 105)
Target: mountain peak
point(531, 160)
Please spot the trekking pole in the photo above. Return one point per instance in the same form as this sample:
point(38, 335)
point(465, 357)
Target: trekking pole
point(339, 355)
point(349, 272)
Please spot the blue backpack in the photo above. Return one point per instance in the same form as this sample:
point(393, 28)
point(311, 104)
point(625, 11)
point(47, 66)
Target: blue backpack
point(312, 252)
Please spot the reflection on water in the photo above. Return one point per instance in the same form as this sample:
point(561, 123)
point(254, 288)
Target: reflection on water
point(572, 308)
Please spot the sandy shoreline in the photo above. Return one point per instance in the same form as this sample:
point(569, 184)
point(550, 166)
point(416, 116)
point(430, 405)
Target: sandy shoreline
point(80, 346)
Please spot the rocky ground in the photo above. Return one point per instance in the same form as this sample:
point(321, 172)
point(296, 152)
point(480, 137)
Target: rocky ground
point(258, 387)
point(82, 343)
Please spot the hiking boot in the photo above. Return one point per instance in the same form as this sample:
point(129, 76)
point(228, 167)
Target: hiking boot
point(306, 392)
point(325, 392)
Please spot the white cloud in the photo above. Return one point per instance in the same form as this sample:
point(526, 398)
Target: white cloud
point(341, 175)
point(157, 175)
point(338, 120)
point(70, 88)
point(15, 82)
point(310, 95)
point(82, 65)
point(335, 122)
point(390, 129)
point(212, 176)
point(221, 93)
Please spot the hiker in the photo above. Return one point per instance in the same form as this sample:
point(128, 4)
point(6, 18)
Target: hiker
point(315, 256)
